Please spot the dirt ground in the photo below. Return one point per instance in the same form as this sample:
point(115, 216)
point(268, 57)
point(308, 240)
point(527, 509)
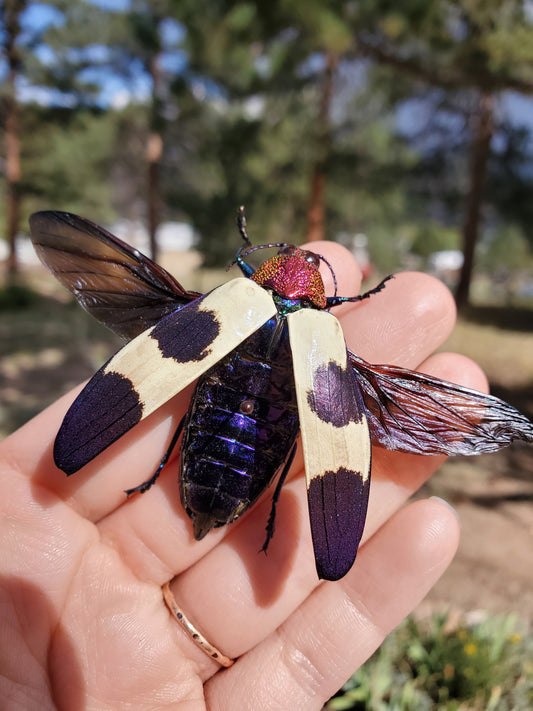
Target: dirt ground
point(46, 350)
point(493, 493)
point(493, 568)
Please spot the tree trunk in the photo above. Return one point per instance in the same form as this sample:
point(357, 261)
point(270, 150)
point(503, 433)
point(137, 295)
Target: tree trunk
point(154, 153)
point(316, 212)
point(13, 175)
point(12, 138)
point(483, 129)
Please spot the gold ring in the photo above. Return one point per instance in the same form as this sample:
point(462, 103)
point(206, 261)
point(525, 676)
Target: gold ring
point(191, 630)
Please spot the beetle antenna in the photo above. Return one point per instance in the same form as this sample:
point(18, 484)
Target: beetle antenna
point(245, 250)
point(241, 224)
point(271, 245)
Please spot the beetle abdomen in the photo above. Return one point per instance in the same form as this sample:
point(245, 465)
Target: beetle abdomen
point(242, 423)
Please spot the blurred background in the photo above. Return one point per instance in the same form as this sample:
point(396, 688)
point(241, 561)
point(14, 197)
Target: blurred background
point(402, 130)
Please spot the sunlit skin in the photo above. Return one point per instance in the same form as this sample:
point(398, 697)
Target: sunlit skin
point(84, 624)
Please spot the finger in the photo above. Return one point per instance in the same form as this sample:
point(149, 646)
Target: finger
point(98, 488)
point(347, 272)
point(339, 626)
point(407, 472)
point(153, 534)
point(237, 597)
point(451, 366)
point(404, 323)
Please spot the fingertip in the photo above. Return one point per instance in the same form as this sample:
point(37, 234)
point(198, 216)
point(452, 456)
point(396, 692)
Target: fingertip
point(447, 504)
point(429, 295)
point(403, 323)
point(456, 368)
point(444, 519)
point(438, 532)
point(344, 265)
point(419, 309)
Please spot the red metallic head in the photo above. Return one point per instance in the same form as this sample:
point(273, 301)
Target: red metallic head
point(293, 274)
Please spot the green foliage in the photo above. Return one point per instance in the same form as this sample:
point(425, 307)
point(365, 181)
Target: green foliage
point(433, 237)
point(70, 29)
point(239, 118)
point(506, 249)
point(16, 297)
point(66, 160)
point(487, 666)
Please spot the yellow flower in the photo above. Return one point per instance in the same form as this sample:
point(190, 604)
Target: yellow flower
point(470, 649)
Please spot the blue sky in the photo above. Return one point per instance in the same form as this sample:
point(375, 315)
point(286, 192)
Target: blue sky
point(117, 91)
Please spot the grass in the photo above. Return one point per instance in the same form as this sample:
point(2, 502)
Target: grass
point(505, 352)
point(46, 347)
point(444, 665)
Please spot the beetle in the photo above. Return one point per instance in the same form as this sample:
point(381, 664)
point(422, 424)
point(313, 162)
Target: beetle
point(270, 362)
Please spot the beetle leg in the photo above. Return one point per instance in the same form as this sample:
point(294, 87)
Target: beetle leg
point(270, 525)
point(377, 288)
point(336, 300)
point(141, 488)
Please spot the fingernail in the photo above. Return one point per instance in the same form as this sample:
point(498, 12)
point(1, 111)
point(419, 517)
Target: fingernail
point(446, 503)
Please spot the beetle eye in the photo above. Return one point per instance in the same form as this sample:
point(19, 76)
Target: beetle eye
point(287, 250)
point(313, 259)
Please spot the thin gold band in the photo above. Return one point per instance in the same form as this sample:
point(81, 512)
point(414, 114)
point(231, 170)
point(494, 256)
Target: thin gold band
point(191, 630)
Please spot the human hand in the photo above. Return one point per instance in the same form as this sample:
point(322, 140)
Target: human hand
point(84, 623)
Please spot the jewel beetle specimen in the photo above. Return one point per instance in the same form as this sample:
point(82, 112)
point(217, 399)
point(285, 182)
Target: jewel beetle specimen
point(270, 362)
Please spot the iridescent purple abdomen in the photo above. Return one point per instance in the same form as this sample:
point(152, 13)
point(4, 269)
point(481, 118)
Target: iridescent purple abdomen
point(241, 425)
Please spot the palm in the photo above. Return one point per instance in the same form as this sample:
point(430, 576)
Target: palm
point(89, 627)
point(84, 624)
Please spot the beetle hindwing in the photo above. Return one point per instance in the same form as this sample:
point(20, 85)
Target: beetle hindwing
point(114, 282)
point(335, 439)
point(413, 412)
point(156, 365)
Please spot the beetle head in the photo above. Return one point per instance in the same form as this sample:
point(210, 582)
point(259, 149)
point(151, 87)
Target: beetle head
point(293, 273)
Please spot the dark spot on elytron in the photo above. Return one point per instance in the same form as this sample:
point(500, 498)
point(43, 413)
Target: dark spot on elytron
point(336, 397)
point(186, 335)
point(105, 409)
point(337, 507)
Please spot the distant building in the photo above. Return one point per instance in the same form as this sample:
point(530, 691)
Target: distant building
point(446, 265)
point(171, 236)
point(358, 246)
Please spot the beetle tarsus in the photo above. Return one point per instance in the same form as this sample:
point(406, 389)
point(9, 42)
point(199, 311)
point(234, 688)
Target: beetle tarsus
point(271, 519)
point(141, 488)
point(337, 300)
point(377, 288)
